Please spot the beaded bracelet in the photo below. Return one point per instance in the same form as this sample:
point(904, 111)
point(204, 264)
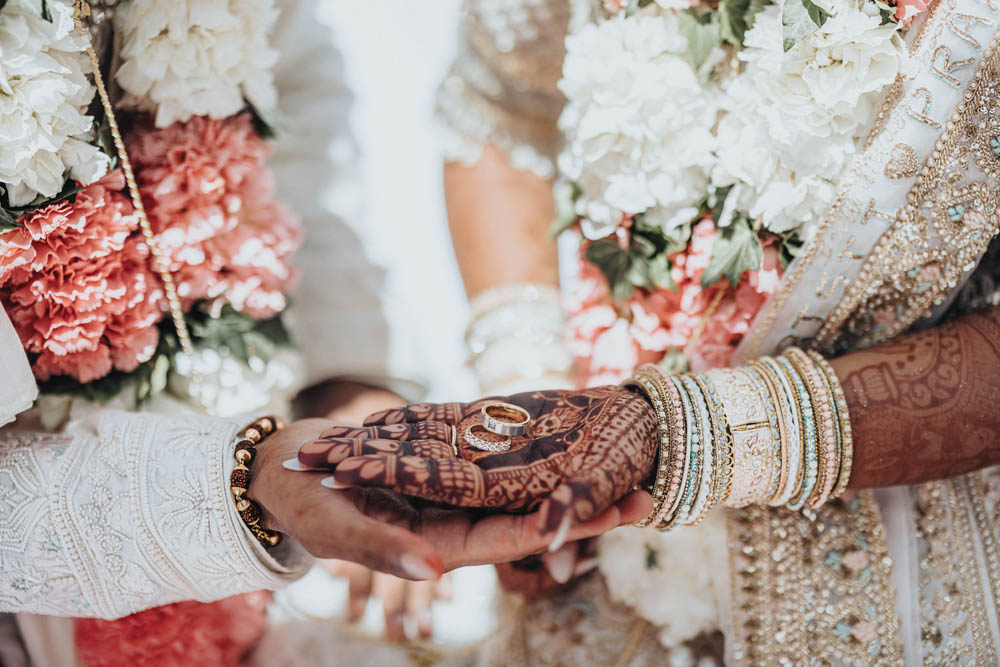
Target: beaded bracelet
point(239, 481)
point(810, 456)
point(664, 464)
point(825, 426)
point(692, 468)
point(844, 421)
point(710, 455)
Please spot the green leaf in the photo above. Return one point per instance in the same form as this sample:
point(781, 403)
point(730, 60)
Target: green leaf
point(659, 272)
point(565, 195)
point(799, 19)
point(734, 20)
point(790, 247)
point(105, 140)
point(46, 14)
point(652, 558)
point(735, 250)
point(702, 34)
point(614, 263)
point(261, 125)
point(7, 221)
point(10, 214)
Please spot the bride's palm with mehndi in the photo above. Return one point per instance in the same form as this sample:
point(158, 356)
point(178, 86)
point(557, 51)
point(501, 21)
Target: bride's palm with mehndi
point(582, 451)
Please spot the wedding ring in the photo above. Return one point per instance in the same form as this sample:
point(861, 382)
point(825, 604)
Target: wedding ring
point(505, 419)
point(453, 440)
point(486, 441)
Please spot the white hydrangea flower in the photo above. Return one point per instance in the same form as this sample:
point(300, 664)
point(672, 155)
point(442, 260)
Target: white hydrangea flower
point(795, 120)
point(44, 94)
point(187, 58)
point(668, 578)
point(638, 122)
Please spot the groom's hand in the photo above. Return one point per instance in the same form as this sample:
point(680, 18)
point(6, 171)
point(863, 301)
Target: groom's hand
point(383, 531)
point(582, 451)
point(370, 529)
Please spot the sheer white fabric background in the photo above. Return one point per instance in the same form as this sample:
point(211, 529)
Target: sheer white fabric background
point(396, 53)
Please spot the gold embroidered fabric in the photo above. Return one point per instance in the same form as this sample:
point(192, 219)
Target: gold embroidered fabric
point(810, 591)
point(914, 219)
point(958, 532)
point(502, 87)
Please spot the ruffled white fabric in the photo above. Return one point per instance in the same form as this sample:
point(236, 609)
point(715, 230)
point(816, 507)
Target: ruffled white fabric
point(196, 57)
point(44, 94)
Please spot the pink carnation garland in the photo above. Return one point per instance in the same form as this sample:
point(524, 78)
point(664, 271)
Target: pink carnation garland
point(183, 634)
point(210, 200)
point(77, 286)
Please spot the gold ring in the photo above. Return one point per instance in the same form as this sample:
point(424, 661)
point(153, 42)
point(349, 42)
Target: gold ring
point(454, 440)
point(505, 419)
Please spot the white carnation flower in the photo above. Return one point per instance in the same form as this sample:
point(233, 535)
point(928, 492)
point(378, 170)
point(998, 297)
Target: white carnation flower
point(44, 94)
point(668, 578)
point(187, 58)
point(638, 122)
point(795, 120)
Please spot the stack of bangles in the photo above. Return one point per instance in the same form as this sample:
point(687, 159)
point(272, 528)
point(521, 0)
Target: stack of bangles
point(774, 432)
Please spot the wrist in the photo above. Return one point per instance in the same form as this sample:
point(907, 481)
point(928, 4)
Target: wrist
point(272, 486)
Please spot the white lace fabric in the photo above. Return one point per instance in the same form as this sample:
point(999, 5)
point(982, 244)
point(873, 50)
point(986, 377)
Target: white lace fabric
point(124, 512)
point(501, 89)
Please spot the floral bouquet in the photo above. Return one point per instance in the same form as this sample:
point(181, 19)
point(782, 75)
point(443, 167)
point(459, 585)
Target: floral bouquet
point(110, 308)
point(77, 275)
point(704, 141)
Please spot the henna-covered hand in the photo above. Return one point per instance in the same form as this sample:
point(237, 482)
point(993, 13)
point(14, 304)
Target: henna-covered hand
point(581, 452)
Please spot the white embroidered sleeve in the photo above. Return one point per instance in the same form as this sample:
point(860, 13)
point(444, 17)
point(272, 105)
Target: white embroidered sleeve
point(502, 87)
point(126, 512)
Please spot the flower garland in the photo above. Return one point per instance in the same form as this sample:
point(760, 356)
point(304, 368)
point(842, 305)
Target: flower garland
point(76, 273)
point(703, 142)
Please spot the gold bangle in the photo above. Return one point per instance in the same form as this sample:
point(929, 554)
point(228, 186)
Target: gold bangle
point(844, 420)
point(776, 399)
point(826, 426)
point(239, 480)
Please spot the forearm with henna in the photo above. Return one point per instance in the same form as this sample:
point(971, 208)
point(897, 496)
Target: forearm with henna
point(926, 405)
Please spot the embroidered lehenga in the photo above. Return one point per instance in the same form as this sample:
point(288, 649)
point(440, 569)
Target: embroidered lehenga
point(901, 575)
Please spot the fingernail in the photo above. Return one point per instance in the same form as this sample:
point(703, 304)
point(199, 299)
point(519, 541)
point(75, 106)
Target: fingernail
point(584, 566)
point(416, 568)
point(332, 483)
point(425, 622)
point(561, 565)
point(560, 537)
point(296, 465)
